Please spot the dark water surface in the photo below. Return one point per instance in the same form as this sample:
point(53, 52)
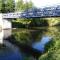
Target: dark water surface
point(26, 44)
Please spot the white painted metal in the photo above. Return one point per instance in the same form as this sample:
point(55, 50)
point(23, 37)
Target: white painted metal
point(1, 31)
point(6, 24)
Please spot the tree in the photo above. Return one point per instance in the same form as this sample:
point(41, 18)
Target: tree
point(21, 6)
point(8, 6)
point(0, 6)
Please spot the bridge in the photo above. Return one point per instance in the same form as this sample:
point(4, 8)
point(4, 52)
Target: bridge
point(30, 13)
point(35, 13)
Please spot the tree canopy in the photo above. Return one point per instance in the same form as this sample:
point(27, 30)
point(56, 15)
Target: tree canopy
point(0, 5)
point(7, 6)
point(21, 6)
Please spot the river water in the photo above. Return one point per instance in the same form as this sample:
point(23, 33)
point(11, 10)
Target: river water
point(26, 44)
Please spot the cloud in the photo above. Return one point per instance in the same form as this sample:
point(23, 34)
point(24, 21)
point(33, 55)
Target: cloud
point(42, 3)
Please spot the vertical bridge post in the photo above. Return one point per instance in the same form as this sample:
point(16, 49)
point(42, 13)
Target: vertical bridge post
point(1, 29)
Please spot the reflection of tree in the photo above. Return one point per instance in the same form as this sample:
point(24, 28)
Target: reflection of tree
point(22, 37)
point(37, 34)
point(28, 36)
point(53, 47)
point(52, 31)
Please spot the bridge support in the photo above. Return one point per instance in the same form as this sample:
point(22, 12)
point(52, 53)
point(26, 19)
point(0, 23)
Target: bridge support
point(1, 31)
point(4, 24)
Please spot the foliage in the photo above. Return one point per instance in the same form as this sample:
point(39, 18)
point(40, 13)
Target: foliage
point(23, 21)
point(26, 36)
point(0, 5)
point(52, 48)
point(39, 22)
point(22, 37)
point(8, 6)
point(32, 22)
point(21, 6)
point(53, 21)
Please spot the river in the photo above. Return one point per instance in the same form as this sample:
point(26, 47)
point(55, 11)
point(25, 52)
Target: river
point(26, 44)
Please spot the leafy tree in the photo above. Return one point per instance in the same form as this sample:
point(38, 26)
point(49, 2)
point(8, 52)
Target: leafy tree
point(0, 6)
point(8, 6)
point(28, 5)
point(21, 6)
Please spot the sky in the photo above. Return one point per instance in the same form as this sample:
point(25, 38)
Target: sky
point(43, 3)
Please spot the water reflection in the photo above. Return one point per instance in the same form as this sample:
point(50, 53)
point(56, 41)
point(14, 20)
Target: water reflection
point(41, 44)
point(1, 36)
point(7, 33)
point(7, 50)
point(10, 52)
point(36, 39)
point(32, 41)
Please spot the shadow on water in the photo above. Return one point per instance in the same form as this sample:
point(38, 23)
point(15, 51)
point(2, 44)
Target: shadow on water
point(27, 42)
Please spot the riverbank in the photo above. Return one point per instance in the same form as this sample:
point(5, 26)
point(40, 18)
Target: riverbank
point(35, 22)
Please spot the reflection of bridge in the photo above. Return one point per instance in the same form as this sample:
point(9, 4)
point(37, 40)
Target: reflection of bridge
point(33, 13)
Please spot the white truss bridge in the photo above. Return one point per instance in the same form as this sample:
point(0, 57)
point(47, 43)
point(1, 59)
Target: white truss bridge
point(35, 13)
point(31, 13)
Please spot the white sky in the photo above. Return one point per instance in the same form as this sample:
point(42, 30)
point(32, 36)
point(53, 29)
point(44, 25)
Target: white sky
point(42, 3)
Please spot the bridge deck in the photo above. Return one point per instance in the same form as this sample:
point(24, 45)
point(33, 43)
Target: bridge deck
point(35, 13)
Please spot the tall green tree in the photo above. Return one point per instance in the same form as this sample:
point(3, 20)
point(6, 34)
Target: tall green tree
point(8, 6)
point(21, 6)
point(0, 6)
